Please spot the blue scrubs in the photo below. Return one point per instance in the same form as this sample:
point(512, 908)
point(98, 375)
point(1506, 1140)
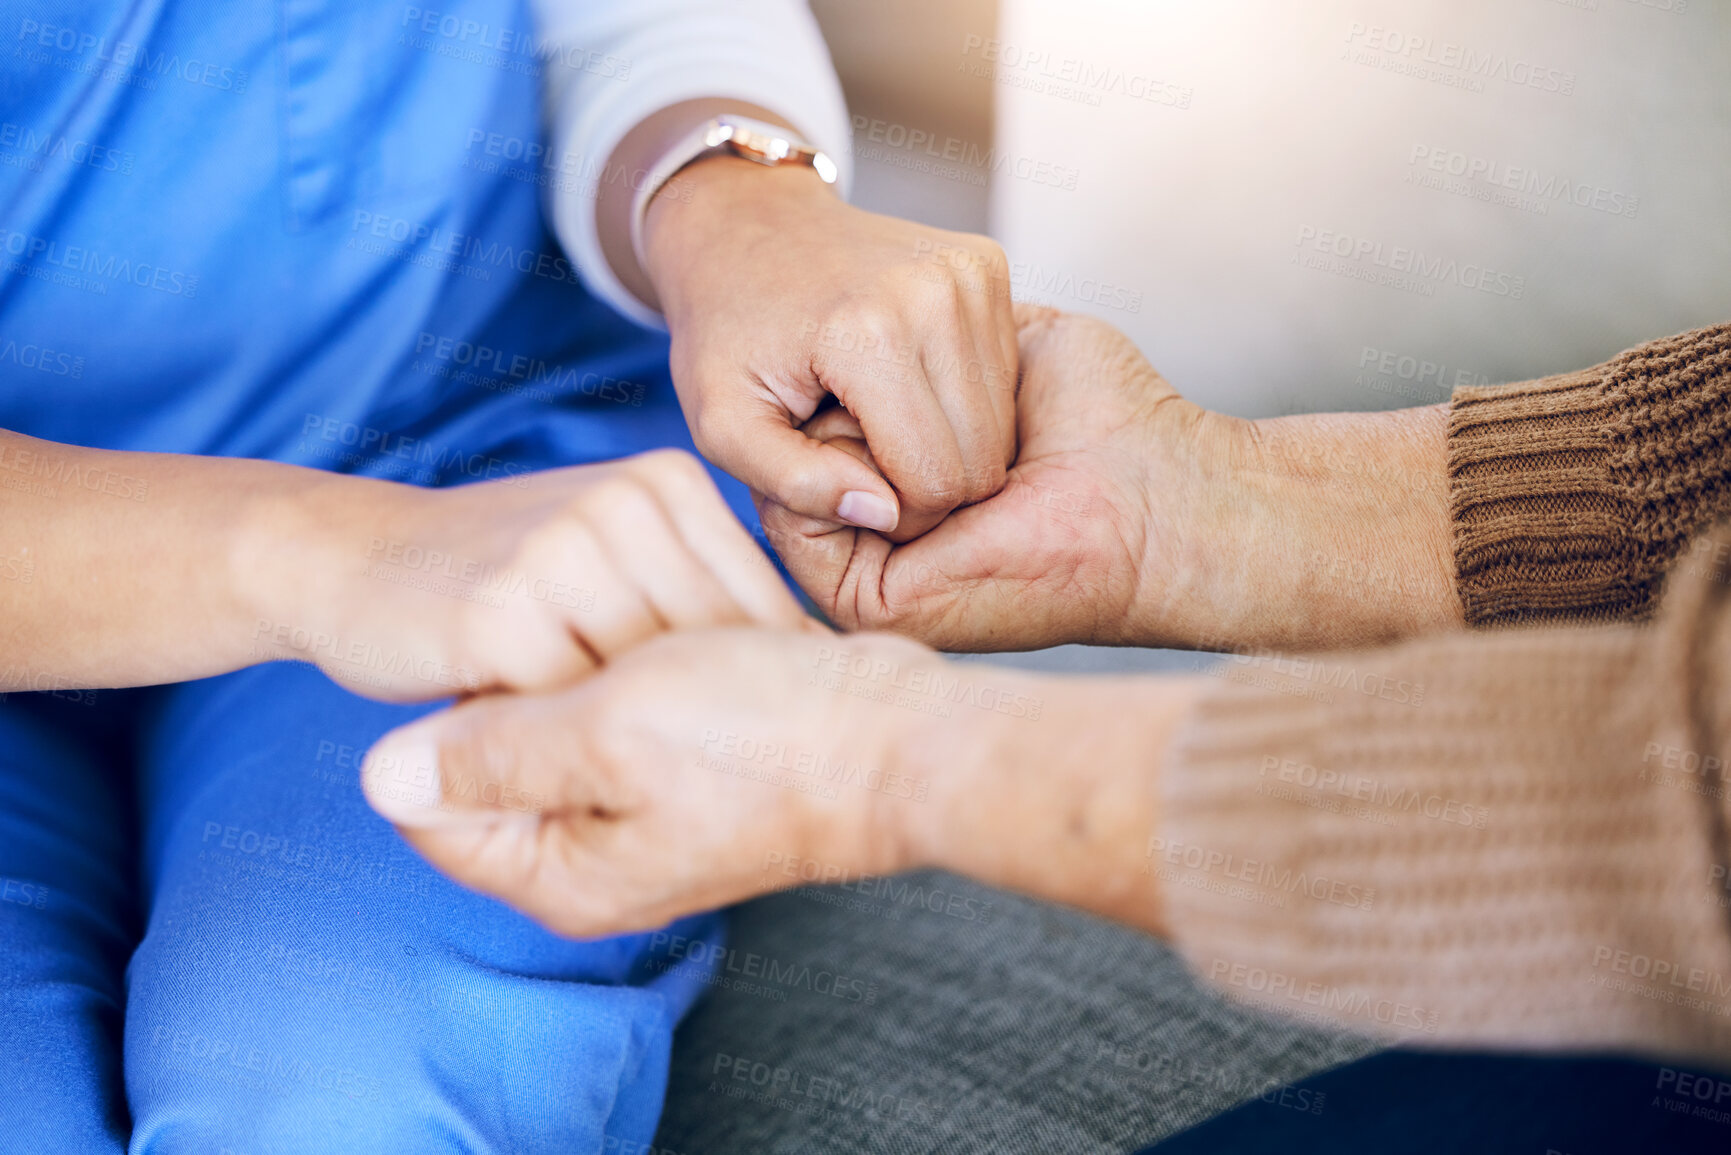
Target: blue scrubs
point(279, 230)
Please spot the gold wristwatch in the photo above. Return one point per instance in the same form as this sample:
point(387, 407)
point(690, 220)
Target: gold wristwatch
point(755, 140)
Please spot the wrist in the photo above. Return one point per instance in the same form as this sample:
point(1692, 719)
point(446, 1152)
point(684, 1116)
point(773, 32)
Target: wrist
point(1318, 531)
point(641, 151)
point(1059, 801)
point(754, 205)
point(295, 557)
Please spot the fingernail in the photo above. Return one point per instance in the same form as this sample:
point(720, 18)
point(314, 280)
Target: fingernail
point(400, 778)
point(867, 510)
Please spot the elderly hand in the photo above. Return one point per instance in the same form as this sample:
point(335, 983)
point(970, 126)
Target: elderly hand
point(664, 784)
point(693, 770)
point(1133, 517)
point(1108, 458)
point(779, 295)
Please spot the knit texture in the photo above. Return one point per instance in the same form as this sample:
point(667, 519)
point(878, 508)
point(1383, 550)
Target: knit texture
point(1571, 495)
point(1516, 837)
point(1498, 839)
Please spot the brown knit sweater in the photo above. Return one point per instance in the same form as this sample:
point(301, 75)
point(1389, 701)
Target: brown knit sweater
point(1513, 837)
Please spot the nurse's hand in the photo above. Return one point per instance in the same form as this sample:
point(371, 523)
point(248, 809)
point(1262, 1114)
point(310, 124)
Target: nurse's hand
point(673, 782)
point(527, 583)
point(779, 296)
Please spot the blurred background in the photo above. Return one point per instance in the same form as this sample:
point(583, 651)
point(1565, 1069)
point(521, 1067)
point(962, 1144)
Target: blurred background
point(1268, 197)
point(1334, 205)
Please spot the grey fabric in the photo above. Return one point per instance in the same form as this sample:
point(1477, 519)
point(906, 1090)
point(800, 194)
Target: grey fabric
point(943, 1016)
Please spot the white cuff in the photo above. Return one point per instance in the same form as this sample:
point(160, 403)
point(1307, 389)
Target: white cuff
point(765, 52)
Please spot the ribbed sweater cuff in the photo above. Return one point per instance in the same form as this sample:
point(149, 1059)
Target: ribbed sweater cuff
point(1572, 494)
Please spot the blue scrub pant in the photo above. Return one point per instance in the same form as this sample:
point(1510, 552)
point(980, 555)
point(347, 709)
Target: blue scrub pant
point(304, 982)
point(277, 229)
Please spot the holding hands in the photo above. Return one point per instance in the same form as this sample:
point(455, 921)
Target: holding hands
point(1089, 504)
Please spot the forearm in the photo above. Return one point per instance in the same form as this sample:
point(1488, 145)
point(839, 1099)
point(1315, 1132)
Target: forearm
point(1307, 532)
point(1563, 499)
point(1059, 805)
point(130, 568)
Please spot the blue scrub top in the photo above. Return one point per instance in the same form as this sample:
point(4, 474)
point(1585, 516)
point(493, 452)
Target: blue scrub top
point(302, 230)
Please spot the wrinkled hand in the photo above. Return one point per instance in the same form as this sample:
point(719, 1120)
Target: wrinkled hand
point(1083, 544)
point(779, 295)
point(528, 583)
point(669, 783)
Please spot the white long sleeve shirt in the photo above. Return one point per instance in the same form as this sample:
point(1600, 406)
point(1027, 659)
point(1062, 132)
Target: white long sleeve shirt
point(609, 64)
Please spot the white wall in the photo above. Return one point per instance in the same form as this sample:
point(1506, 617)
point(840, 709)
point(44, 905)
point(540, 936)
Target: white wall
point(1297, 126)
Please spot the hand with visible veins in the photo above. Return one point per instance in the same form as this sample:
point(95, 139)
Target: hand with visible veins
point(1134, 517)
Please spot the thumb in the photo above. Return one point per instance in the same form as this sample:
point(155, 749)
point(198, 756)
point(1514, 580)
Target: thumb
point(496, 793)
point(492, 759)
point(756, 444)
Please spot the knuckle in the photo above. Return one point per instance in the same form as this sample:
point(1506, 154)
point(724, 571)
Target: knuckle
point(470, 757)
point(711, 430)
point(670, 463)
point(801, 486)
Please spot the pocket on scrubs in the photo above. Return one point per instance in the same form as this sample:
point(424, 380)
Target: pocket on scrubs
point(382, 102)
